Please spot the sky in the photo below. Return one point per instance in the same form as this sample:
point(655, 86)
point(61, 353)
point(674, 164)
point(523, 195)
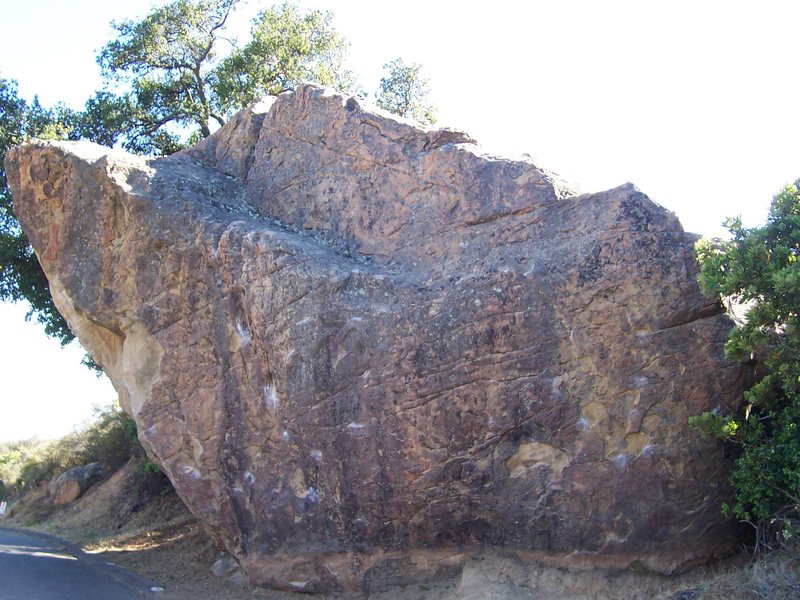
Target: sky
point(694, 102)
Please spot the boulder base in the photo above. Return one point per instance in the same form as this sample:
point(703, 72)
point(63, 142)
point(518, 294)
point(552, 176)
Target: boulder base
point(361, 349)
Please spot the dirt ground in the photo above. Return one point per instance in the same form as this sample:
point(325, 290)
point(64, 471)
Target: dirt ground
point(135, 521)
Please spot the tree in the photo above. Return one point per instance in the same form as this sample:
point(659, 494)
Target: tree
point(403, 91)
point(180, 87)
point(167, 61)
point(760, 267)
point(286, 48)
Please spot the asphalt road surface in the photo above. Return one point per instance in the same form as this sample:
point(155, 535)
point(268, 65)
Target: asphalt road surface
point(39, 567)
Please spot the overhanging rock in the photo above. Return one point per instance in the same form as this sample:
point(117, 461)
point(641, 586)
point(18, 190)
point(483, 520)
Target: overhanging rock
point(360, 348)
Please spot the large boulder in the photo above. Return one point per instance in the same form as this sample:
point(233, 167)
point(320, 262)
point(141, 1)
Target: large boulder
point(360, 348)
point(72, 484)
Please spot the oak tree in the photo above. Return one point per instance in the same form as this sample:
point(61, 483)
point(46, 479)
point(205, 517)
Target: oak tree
point(404, 91)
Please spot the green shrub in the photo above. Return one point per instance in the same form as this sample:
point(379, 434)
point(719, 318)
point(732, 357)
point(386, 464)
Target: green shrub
point(13, 457)
point(760, 268)
point(149, 467)
point(109, 439)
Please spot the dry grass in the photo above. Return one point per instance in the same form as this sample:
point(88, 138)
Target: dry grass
point(142, 539)
point(773, 576)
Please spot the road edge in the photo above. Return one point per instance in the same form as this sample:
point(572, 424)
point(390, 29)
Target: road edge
point(136, 583)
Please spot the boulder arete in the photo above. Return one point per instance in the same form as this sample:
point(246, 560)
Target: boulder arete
point(360, 348)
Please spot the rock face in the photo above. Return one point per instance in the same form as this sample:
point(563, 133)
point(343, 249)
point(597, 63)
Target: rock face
point(361, 348)
point(71, 484)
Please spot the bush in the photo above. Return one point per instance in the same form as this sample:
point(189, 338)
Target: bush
point(109, 439)
point(13, 456)
point(760, 268)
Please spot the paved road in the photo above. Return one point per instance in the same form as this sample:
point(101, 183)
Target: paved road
point(39, 567)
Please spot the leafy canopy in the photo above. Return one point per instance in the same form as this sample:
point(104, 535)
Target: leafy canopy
point(404, 91)
point(286, 47)
point(760, 268)
point(183, 77)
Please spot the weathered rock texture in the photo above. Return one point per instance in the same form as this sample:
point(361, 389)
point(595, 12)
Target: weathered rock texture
point(361, 348)
point(72, 484)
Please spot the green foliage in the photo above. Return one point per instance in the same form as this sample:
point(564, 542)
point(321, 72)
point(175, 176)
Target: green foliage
point(167, 61)
point(759, 268)
point(149, 467)
point(13, 456)
point(403, 91)
point(109, 439)
point(286, 47)
point(714, 424)
point(177, 85)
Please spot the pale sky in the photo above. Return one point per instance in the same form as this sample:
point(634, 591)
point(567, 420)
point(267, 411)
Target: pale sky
point(693, 101)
